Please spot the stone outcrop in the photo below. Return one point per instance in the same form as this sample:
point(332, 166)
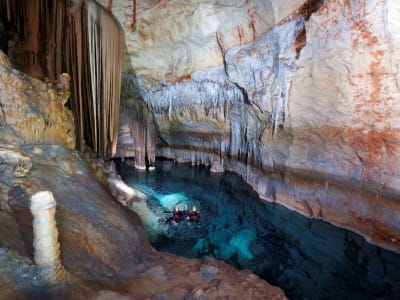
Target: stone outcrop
point(33, 111)
point(120, 190)
point(14, 165)
point(305, 109)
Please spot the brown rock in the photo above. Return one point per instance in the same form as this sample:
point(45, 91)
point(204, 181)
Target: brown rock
point(33, 110)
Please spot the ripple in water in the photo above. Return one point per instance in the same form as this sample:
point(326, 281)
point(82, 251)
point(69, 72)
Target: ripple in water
point(308, 259)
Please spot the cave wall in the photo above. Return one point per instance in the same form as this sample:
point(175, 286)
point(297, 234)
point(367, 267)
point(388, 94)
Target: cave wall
point(299, 98)
point(167, 40)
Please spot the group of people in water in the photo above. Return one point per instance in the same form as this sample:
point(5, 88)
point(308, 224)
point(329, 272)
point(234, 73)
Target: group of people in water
point(178, 215)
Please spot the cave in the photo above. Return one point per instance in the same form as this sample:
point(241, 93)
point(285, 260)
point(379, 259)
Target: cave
point(290, 108)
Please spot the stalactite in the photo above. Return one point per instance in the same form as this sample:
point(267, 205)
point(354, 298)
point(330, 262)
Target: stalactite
point(38, 29)
point(151, 140)
point(27, 54)
point(143, 132)
point(94, 58)
point(112, 56)
point(74, 62)
point(12, 14)
point(86, 39)
point(94, 64)
point(51, 27)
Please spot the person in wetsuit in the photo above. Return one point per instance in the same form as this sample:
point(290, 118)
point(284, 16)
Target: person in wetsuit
point(185, 212)
point(176, 217)
point(194, 215)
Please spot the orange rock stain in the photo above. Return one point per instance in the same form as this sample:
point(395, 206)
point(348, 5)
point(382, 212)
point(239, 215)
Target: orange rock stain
point(180, 79)
point(240, 33)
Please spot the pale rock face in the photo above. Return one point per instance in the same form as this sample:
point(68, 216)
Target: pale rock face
point(264, 70)
point(347, 82)
point(172, 39)
point(343, 112)
point(32, 111)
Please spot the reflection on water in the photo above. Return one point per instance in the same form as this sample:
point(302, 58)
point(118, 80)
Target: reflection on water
point(308, 259)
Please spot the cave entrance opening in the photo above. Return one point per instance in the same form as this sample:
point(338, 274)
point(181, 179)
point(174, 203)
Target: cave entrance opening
point(308, 259)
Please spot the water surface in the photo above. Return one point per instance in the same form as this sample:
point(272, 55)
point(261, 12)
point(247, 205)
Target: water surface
point(308, 259)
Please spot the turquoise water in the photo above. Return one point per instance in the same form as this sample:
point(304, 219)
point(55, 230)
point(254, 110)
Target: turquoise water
point(308, 259)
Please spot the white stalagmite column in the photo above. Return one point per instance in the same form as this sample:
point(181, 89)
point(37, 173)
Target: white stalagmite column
point(45, 237)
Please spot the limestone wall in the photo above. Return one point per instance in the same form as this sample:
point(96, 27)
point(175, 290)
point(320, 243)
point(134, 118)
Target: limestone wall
point(304, 107)
point(171, 39)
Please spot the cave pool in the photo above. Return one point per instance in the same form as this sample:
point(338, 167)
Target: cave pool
point(307, 258)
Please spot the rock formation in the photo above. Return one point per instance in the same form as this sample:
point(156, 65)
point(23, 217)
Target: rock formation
point(94, 59)
point(298, 98)
point(48, 37)
point(137, 133)
point(33, 111)
point(172, 39)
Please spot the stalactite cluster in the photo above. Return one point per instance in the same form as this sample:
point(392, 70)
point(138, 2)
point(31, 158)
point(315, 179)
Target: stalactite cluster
point(83, 39)
point(94, 59)
point(37, 29)
point(142, 129)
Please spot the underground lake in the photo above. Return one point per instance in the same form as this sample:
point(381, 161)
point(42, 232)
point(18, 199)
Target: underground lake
point(307, 258)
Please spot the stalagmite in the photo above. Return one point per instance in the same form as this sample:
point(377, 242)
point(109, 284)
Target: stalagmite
point(45, 238)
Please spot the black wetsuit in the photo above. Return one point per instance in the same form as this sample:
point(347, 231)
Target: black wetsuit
point(176, 217)
point(185, 214)
point(194, 216)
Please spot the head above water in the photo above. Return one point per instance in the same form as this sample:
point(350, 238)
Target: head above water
point(194, 208)
point(176, 208)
